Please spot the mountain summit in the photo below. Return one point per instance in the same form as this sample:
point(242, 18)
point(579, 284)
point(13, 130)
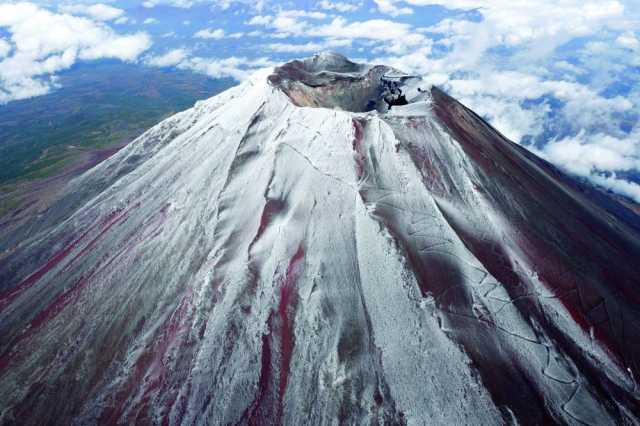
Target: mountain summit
point(326, 243)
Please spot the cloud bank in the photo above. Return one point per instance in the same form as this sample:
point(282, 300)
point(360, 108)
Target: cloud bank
point(42, 43)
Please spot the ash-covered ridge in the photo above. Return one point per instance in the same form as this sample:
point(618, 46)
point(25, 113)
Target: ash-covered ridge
point(326, 243)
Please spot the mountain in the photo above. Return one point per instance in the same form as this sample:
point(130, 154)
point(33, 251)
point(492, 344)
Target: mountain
point(326, 243)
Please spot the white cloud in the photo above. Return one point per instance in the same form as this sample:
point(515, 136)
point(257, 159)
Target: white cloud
point(150, 21)
point(23, 88)
point(512, 23)
point(302, 14)
point(569, 67)
point(390, 8)
point(259, 20)
point(342, 7)
point(169, 59)
point(125, 48)
point(182, 4)
point(628, 40)
point(522, 86)
point(533, 27)
point(238, 68)
point(99, 11)
point(257, 5)
point(46, 43)
point(309, 47)
point(589, 155)
point(288, 21)
point(583, 154)
point(508, 116)
point(295, 48)
point(396, 37)
point(392, 36)
point(210, 34)
point(187, 4)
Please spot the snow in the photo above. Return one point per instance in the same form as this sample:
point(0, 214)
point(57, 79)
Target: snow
point(273, 255)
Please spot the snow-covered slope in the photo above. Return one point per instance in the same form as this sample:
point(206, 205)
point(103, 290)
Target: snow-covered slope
point(327, 243)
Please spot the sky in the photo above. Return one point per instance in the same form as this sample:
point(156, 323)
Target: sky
point(557, 76)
